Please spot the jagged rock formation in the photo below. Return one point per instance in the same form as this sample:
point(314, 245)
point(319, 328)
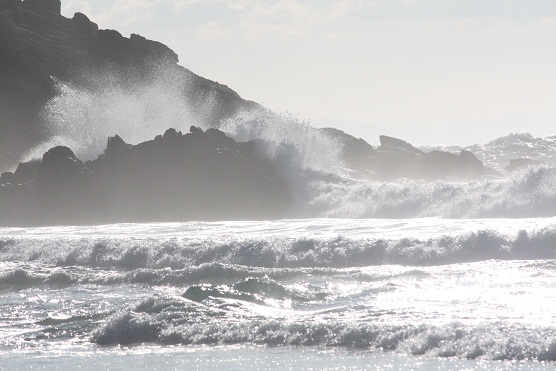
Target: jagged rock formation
point(395, 145)
point(37, 43)
point(199, 175)
point(396, 158)
point(517, 164)
point(356, 153)
point(202, 175)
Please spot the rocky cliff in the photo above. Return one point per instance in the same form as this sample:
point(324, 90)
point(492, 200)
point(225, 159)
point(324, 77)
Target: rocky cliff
point(39, 45)
point(174, 177)
point(202, 175)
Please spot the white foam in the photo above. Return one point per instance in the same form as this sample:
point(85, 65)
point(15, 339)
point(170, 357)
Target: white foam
point(286, 243)
point(529, 193)
point(171, 321)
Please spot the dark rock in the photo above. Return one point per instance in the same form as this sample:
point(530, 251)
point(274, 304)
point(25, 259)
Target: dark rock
point(136, 51)
point(396, 158)
point(449, 166)
point(38, 43)
point(195, 130)
point(7, 177)
point(27, 171)
point(172, 135)
point(356, 153)
point(200, 175)
point(49, 5)
point(397, 145)
point(84, 24)
point(60, 166)
point(521, 163)
point(9, 4)
point(116, 146)
point(154, 48)
point(220, 139)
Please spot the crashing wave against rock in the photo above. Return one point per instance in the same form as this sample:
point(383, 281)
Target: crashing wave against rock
point(39, 46)
point(70, 83)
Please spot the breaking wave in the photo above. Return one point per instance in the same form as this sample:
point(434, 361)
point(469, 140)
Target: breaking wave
point(231, 254)
point(82, 118)
point(181, 321)
point(468, 289)
point(294, 144)
point(528, 193)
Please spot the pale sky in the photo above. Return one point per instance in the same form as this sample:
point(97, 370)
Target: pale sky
point(427, 71)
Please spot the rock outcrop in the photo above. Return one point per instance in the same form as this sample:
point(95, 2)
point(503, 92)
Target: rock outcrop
point(356, 153)
point(38, 44)
point(517, 164)
point(395, 145)
point(395, 159)
point(202, 175)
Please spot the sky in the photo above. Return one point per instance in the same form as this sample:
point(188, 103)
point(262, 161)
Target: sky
point(427, 71)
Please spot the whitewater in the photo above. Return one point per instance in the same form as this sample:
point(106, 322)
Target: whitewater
point(423, 293)
point(360, 275)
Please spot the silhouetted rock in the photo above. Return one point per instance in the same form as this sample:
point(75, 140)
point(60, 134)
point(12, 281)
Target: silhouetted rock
point(390, 144)
point(521, 163)
point(38, 43)
point(116, 146)
point(195, 130)
point(84, 25)
point(48, 5)
point(60, 167)
point(27, 171)
point(449, 166)
point(395, 159)
point(199, 175)
point(356, 153)
point(7, 177)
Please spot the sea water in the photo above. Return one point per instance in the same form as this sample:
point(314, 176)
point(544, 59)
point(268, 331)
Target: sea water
point(425, 293)
point(362, 275)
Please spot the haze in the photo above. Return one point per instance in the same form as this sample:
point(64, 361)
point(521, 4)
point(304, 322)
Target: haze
point(432, 72)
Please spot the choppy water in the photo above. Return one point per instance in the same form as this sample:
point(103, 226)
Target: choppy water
point(424, 293)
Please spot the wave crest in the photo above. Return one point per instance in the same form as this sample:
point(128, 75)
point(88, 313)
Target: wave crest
point(283, 252)
point(175, 321)
point(529, 193)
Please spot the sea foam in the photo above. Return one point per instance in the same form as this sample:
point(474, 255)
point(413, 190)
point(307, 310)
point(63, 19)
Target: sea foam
point(175, 321)
point(282, 244)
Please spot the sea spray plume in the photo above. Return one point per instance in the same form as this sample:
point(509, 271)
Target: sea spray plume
point(299, 150)
point(105, 103)
point(284, 137)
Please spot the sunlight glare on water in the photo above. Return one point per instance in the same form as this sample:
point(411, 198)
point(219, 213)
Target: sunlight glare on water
point(323, 294)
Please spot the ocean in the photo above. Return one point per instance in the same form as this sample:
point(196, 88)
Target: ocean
point(321, 293)
point(361, 275)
